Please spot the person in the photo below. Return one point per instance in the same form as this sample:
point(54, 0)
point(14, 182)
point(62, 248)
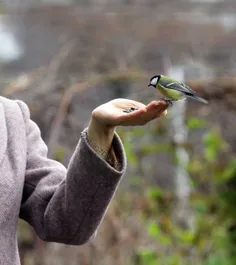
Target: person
point(63, 205)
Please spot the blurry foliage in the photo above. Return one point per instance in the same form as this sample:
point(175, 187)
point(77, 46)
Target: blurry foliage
point(212, 240)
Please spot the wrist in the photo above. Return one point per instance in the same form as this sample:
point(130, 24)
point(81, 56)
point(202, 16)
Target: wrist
point(100, 134)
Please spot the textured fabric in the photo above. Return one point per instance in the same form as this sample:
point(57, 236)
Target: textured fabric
point(62, 205)
point(109, 156)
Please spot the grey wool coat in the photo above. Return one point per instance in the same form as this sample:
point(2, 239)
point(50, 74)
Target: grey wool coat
point(64, 205)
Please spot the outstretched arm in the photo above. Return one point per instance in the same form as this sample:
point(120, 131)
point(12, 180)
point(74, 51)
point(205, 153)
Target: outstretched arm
point(67, 205)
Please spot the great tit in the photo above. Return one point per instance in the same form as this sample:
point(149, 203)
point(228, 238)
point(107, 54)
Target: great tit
point(173, 89)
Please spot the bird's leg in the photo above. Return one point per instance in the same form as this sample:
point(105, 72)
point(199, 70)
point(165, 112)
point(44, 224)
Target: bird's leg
point(169, 101)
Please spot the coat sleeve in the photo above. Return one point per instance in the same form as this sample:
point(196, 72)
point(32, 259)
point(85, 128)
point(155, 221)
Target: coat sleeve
point(67, 205)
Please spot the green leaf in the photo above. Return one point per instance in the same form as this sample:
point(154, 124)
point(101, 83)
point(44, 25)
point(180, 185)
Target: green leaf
point(165, 240)
point(138, 131)
point(148, 256)
point(187, 236)
point(200, 206)
point(195, 123)
point(155, 148)
point(230, 170)
point(136, 180)
point(129, 149)
point(154, 193)
point(153, 230)
point(213, 145)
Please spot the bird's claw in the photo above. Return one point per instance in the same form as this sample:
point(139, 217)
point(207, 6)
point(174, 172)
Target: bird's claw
point(168, 101)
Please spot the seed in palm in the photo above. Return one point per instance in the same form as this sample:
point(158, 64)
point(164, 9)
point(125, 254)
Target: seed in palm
point(130, 110)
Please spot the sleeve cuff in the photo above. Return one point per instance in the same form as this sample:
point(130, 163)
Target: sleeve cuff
point(118, 149)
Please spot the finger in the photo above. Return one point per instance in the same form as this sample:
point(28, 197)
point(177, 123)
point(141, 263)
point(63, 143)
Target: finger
point(151, 115)
point(141, 117)
point(164, 112)
point(144, 114)
point(156, 111)
point(154, 105)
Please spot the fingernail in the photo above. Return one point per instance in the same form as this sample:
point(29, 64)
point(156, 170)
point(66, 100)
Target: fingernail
point(164, 112)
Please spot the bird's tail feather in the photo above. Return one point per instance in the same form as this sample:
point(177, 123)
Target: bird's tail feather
point(200, 99)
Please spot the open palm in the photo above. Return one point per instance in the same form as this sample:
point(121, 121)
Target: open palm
point(112, 113)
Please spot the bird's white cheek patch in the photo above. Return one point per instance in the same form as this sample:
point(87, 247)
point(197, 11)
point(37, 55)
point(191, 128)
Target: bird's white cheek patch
point(154, 81)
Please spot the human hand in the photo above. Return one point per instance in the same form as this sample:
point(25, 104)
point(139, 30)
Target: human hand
point(107, 116)
point(112, 113)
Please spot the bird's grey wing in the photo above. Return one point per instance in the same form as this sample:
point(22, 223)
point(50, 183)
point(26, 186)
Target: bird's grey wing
point(188, 88)
point(180, 87)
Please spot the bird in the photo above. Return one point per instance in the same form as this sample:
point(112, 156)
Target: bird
point(173, 90)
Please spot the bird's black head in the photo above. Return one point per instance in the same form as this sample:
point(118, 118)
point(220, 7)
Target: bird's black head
point(154, 80)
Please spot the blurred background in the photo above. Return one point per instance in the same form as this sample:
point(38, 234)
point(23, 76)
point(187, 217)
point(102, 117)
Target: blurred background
point(176, 204)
